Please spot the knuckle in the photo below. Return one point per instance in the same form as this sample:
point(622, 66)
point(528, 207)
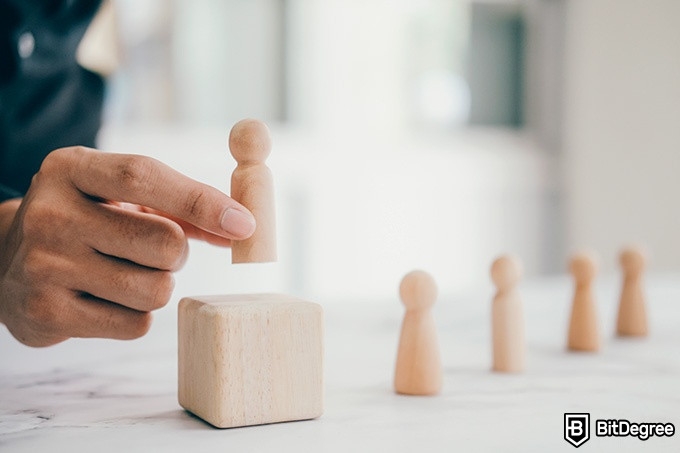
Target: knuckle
point(44, 219)
point(172, 245)
point(133, 172)
point(122, 280)
point(139, 325)
point(57, 159)
point(33, 223)
point(48, 226)
point(58, 164)
point(42, 313)
point(39, 177)
point(192, 202)
point(163, 290)
point(36, 266)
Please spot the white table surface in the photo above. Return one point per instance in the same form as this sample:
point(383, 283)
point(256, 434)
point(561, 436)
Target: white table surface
point(98, 395)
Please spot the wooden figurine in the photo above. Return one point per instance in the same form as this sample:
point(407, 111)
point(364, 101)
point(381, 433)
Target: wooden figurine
point(419, 369)
point(250, 359)
point(252, 185)
point(632, 315)
point(583, 328)
point(507, 316)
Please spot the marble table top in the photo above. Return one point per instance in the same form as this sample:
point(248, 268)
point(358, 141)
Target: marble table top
point(99, 395)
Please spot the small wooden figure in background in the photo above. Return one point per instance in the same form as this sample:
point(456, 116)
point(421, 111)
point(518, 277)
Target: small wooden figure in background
point(419, 369)
point(252, 185)
point(583, 328)
point(632, 316)
point(507, 319)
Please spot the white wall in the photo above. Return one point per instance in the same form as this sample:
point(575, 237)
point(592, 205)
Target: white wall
point(367, 65)
point(227, 60)
point(622, 127)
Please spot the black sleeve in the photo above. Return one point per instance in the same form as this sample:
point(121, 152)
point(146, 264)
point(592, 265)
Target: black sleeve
point(6, 193)
point(47, 100)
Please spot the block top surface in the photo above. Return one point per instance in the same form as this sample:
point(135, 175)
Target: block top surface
point(250, 301)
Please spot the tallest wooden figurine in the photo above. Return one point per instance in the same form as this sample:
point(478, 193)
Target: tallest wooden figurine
point(252, 185)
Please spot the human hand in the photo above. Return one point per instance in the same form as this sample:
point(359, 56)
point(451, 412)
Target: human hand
point(90, 250)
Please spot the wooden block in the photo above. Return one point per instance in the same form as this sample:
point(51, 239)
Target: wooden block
point(250, 359)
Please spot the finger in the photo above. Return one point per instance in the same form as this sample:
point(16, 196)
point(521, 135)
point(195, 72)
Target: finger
point(148, 182)
point(145, 239)
point(191, 231)
point(194, 232)
point(97, 318)
point(122, 282)
point(60, 314)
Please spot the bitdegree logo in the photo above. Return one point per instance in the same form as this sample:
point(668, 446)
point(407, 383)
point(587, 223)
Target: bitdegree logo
point(625, 428)
point(577, 428)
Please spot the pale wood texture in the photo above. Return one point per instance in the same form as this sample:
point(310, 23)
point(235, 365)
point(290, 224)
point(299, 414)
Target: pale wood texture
point(252, 185)
point(632, 315)
point(583, 325)
point(418, 369)
point(507, 317)
point(250, 359)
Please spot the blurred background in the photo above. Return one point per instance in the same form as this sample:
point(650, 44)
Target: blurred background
point(431, 134)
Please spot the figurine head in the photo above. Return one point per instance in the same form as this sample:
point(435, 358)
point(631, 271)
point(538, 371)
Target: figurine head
point(418, 290)
point(583, 266)
point(250, 142)
point(632, 260)
point(506, 271)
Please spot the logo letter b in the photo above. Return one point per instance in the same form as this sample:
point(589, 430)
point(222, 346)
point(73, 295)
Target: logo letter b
point(576, 428)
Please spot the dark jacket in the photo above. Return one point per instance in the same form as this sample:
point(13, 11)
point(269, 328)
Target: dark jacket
point(47, 101)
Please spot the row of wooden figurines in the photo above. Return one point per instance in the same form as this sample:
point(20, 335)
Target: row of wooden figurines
point(418, 368)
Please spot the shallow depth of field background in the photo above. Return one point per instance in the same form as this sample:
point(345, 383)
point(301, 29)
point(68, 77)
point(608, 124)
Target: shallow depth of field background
point(428, 134)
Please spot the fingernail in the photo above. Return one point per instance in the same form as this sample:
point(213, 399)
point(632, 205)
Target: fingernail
point(238, 223)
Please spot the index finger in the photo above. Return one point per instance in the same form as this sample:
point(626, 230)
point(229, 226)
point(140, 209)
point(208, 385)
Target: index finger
point(148, 182)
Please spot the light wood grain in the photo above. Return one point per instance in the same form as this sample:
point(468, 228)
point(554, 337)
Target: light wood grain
point(250, 359)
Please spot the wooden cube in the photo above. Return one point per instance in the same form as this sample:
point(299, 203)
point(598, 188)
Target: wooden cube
point(250, 359)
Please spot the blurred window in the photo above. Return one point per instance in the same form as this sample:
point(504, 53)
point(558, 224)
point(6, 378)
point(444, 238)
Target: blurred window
point(324, 64)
